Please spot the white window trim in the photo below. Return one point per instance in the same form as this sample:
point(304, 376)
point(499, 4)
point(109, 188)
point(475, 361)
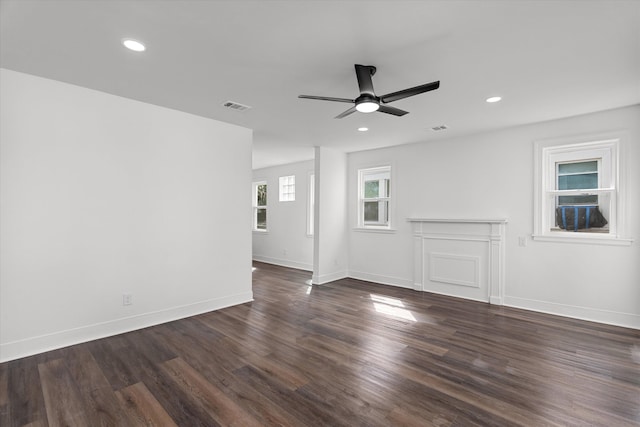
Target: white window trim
point(254, 207)
point(310, 202)
point(392, 191)
point(544, 184)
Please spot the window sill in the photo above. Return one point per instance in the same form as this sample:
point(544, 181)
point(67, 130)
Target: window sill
point(585, 239)
point(260, 231)
point(375, 230)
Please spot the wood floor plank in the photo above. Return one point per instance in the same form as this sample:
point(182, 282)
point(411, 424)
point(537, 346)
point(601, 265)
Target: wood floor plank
point(4, 384)
point(402, 416)
point(5, 416)
point(219, 375)
point(84, 369)
point(110, 355)
point(290, 376)
point(4, 394)
point(218, 405)
point(299, 405)
point(178, 405)
point(24, 395)
point(63, 400)
point(101, 404)
point(143, 408)
point(39, 423)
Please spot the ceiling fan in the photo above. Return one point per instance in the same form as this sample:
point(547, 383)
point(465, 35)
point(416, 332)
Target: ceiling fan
point(368, 102)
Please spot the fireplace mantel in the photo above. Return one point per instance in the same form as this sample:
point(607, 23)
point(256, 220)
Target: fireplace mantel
point(462, 257)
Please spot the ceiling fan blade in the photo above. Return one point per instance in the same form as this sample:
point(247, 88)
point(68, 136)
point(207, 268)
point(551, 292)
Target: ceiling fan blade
point(392, 110)
point(390, 97)
point(364, 73)
point(346, 113)
point(326, 98)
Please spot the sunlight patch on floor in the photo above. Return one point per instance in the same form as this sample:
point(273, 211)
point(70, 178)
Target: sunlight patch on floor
point(392, 307)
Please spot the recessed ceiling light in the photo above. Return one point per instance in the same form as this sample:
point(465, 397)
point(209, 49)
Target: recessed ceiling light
point(363, 129)
point(133, 45)
point(494, 99)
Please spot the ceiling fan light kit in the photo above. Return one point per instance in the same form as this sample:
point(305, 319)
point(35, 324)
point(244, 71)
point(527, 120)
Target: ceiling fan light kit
point(367, 106)
point(368, 102)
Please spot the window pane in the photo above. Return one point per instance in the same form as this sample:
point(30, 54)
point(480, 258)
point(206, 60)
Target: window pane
point(578, 182)
point(371, 212)
point(287, 188)
point(566, 168)
point(262, 194)
point(577, 200)
point(261, 219)
point(371, 189)
point(376, 212)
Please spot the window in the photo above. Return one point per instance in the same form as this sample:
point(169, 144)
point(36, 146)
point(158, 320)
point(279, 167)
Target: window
point(578, 194)
point(374, 189)
point(311, 205)
point(260, 206)
point(287, 188)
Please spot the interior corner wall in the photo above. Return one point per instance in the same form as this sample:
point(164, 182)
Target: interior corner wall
point(286, 241)
point(330, 232)
point(102, 196)
point(491, 175)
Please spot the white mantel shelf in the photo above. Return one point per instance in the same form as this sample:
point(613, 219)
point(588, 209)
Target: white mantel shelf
point(461, 220)
point(462, 257)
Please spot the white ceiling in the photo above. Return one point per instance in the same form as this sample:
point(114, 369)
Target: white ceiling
point(547, 59)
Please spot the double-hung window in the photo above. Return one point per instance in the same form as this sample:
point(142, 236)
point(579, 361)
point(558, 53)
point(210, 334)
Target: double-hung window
point(374, 190)
point(260, 206)
point(577, 195)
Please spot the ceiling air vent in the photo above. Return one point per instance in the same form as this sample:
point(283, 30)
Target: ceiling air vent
point(439, 128)
point(235, 106)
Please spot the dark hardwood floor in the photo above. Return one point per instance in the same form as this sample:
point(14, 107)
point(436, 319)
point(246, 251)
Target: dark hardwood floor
point(348, 353)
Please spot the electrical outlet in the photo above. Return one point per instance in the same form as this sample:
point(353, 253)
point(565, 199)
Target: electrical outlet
point(284, 252)
point(127, 299)
point(522, 241)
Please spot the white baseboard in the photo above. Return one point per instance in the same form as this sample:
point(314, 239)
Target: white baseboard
point(326, 278)
point(383, 280)
point(284, 262)
point(496, 301)
point(34, 345)
point(627, 320)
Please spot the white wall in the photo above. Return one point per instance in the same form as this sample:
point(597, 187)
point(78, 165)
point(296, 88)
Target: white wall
point(491, 176)
point(286, 241)
point(101, 196)
point(331, 238)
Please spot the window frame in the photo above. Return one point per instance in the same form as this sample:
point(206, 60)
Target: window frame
point(255, 207)
point(606, 149)
point(389, 198)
